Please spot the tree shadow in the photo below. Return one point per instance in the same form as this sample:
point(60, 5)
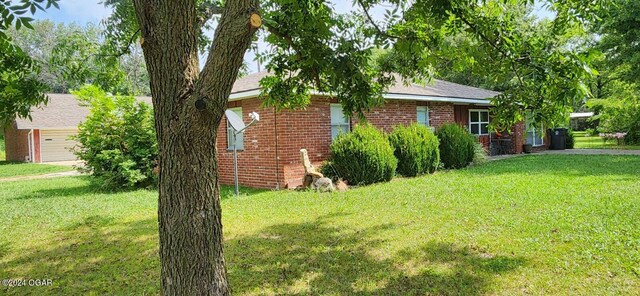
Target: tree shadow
point(315, 258)
point(62, 189)
point(98, 255)
point(101, 255)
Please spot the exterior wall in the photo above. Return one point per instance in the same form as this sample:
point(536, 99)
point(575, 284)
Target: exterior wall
point(16, 143)
point(310, 129)
point(271, 155)
point(257, 165)
point(36, 146)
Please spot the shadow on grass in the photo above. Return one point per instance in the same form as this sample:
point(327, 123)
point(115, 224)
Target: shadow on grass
point(315, 258)
point(106, 256)
point(61, 189)
point(625, 166)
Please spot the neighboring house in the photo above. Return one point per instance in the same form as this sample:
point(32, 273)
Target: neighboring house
point(46, 138)
point(269, 152)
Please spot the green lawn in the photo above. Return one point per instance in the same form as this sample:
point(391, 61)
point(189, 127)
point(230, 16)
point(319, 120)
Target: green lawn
point(2, 149)
point(538, 224)
point(15, 169)
point(584, 141)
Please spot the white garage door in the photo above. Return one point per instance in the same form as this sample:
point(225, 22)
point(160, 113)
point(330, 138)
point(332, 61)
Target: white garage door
point(55, 145)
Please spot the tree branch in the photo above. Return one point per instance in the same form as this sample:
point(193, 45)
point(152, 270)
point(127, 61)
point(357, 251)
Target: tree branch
point(374, 24)
point(207, 11)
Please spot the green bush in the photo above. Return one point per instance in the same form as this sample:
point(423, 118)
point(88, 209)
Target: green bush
point(479, 154)
point(117, 140)
point(416, 149)
point(361, 157)
point(570, 140)
point(456, 146)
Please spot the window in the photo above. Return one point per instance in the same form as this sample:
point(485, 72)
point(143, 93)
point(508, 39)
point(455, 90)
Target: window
point(339, 122)
point(535, 136)
point(423, 115)
point(479, 122)
point(239, 138)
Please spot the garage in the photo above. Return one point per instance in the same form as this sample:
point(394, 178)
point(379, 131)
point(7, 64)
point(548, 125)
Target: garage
point(55, 145)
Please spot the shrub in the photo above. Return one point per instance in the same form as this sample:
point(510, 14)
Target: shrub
point(479, 154)
point(456, 146)
point(117, 140)
point(416, 149)
point(361, 157)
point(570, 140)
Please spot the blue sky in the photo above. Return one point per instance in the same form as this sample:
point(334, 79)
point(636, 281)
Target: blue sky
point(89, 11)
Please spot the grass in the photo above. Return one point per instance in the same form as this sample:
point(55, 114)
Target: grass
point(2, 149)
point(538, 224)
point(584, 141)
point(17, 169)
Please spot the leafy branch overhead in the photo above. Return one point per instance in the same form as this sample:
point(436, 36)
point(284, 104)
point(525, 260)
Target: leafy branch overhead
point(315, 47)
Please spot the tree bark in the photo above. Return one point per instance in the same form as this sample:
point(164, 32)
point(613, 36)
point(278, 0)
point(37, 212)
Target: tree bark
point(188, 106)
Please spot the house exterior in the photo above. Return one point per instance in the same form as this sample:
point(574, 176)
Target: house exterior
point(269, 152)
point(47, 137)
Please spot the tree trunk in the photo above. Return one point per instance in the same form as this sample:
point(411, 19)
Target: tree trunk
point(188, 106)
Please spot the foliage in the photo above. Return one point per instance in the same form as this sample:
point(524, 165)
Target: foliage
point(619, 111)
point(416, 149)
point(457, 146)
point(479, 154)
point(117, 140)
point(2, 148)
point(363, 156)
point(72, 55)
point(570, 140)
point(340, 239)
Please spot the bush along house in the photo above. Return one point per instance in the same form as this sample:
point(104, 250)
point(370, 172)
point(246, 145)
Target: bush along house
point(269, 153)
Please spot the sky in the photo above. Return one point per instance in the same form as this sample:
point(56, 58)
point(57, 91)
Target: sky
point(89, 11)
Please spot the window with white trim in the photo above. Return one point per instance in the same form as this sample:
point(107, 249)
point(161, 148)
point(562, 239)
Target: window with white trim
point(339, 122)
point(239, 138)
point(479, 122)
point(423, 115)
point(535, 135)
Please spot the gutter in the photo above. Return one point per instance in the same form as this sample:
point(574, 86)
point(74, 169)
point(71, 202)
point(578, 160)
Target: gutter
point(389, 96)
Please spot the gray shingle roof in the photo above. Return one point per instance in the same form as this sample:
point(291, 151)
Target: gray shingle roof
point(62, 111)
point(437, 88)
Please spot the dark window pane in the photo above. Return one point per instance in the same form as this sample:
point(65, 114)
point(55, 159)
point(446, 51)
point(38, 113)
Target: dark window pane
point(475, 128)
point(485, 116)
point(474, 116)
point(485, 129)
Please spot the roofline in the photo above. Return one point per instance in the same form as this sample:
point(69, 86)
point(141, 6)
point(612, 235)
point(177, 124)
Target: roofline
point(238, 96)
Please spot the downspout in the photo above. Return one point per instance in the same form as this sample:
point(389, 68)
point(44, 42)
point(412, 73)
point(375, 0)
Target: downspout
point(31, 146)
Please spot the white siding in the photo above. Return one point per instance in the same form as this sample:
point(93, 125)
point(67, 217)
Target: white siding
point(55, 145)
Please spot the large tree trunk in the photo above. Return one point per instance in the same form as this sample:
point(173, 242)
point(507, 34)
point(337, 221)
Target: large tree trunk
point(189, 105)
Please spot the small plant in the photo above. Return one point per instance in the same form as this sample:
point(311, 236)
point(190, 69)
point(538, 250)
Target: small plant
point(117, 140)
point(570, 140)
point(361, 157)
point(456, 146)
point(479, 154)
point(416, 149)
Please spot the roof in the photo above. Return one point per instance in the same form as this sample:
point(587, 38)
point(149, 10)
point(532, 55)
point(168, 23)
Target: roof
point(63, 111)
point(581, 115)
point(438, 90)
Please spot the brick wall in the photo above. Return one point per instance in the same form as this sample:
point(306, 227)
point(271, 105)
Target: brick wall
point(271, 156)
point(257, 165)
point(17, 145)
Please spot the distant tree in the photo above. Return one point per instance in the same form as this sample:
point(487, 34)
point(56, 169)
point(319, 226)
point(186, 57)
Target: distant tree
point(72, 55)
point(19, 86)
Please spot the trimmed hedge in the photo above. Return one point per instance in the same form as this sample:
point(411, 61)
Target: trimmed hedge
point(361, 157)
point(416, 149)
point(570, 140)
point(457, 146)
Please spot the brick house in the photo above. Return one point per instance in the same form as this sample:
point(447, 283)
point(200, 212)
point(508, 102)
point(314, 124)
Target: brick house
point(270, 157)
point(269, 154)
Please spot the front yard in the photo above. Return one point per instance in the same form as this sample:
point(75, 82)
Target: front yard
point(539, 224)
point(584, 141)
